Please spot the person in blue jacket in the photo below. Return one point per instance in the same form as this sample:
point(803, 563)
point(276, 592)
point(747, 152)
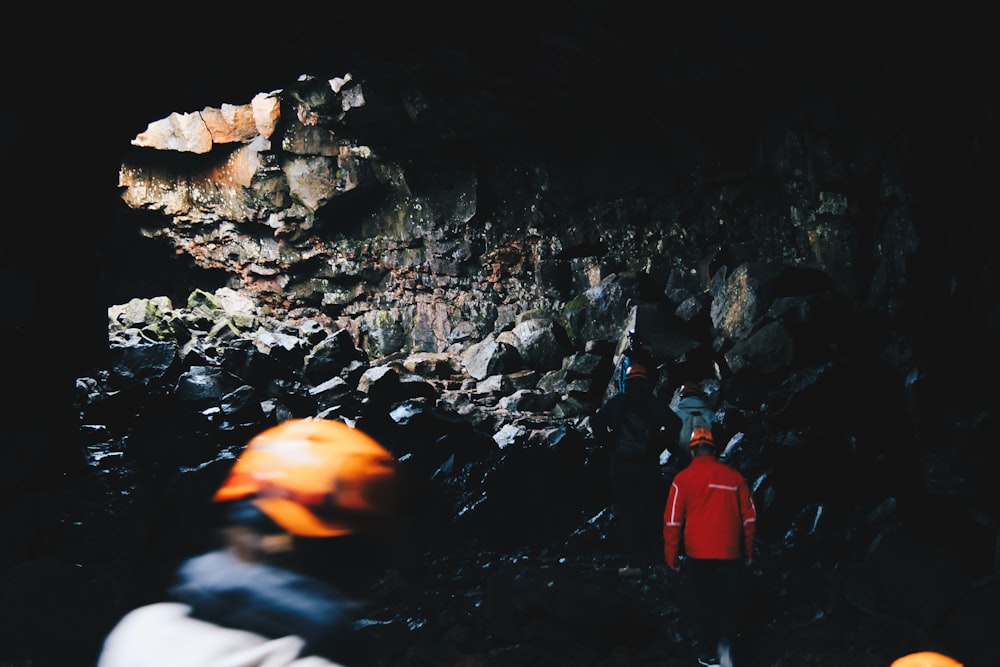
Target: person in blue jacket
point(635, 352)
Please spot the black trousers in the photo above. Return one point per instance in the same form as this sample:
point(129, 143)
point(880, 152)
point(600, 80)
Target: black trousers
point(640, 496)
point(715, 595)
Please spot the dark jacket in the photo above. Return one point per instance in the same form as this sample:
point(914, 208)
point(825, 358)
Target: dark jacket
point(268, 600)
point(667, 424)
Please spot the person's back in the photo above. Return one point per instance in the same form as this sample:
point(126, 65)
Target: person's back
point(710, 519)
point(635, 475)
point(636, 353)
point(710, 512)
point(639, 403)
point(231, 606)
point(693, 407)
point(707, 494)
point(262, 598)
point(254, 602)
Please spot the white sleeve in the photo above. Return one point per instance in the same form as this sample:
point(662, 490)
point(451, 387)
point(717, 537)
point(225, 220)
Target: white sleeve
point(164, 635)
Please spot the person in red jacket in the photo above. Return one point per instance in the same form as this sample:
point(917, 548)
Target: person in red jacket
point(711, 520)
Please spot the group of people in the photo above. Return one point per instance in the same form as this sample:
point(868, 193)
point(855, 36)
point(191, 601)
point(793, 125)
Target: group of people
point(706, 524)
point(703, 523)
point(310, 500)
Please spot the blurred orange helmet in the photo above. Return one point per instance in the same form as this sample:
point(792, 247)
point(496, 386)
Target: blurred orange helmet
point(925, 659)
point(636, 372)
point(701, 436)
point(315, 478)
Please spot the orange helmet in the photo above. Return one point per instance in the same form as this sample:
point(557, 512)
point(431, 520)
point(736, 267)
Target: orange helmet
point(925, 659)
point(701, 436)
point(636, 372)
point(315, 477)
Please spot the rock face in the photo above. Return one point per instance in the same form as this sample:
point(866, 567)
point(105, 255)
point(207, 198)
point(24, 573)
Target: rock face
point(312, 215)
point(446, 245)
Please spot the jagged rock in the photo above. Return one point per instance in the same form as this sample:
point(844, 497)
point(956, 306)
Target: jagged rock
point(769, 349)
point(145, 362)
point(433, 364)
point(331, 356)
point(489, 357)
point(539, 339)
point(205, 385)
point(199, 132)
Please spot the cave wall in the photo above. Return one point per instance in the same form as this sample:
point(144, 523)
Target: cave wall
point(617, 101)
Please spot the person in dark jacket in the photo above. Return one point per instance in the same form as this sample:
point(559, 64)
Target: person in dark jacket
point(636, 480)
point(710, 518)
point(301, 498)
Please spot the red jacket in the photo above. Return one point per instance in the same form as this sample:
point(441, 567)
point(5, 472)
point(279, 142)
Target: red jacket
point(709, 513)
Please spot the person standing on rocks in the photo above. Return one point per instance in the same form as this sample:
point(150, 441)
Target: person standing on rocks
point(710, 519)
point(635, 352)
point(636, 424)
point(692, 405)
point(296, 497)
